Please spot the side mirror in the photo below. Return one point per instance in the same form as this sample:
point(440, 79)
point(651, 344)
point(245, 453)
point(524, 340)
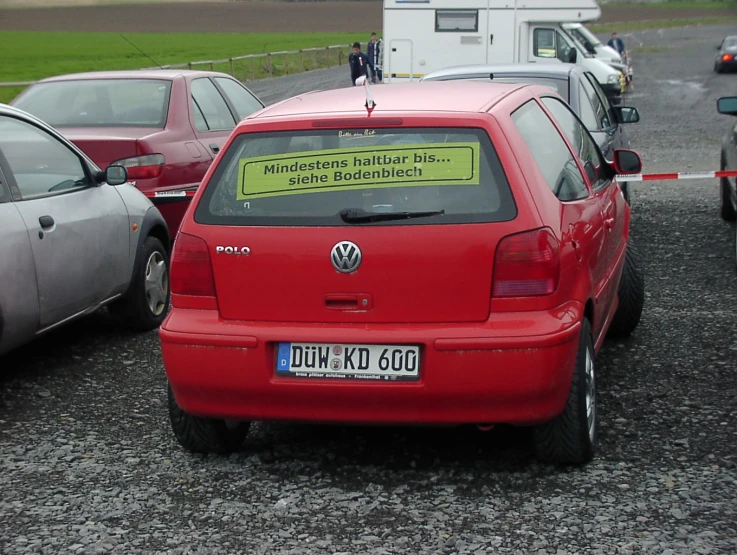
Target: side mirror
point(626, 161)
point(572, 56)
point(627, 114)
point(116, 175)
point(727, 105)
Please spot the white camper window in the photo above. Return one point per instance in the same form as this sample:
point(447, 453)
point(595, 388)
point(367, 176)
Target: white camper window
point(454, 21)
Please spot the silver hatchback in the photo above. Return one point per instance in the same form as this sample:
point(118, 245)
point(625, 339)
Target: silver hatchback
point(75, 238)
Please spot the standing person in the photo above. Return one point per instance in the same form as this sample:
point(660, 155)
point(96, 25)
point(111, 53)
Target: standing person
point(359, 63)
point(375, 52)
point(617, 43)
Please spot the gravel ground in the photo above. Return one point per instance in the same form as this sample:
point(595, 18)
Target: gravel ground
point(88, 463)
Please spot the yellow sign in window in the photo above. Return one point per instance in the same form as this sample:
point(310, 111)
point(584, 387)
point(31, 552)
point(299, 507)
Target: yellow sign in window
point(358, 168)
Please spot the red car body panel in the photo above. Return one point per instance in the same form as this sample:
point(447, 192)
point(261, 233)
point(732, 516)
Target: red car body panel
point(483, 359)
point(188, 152)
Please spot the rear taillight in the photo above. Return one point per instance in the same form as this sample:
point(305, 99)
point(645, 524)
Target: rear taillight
point(191, 271)
point(727, 57)
point(143, 167)
point(527, 265)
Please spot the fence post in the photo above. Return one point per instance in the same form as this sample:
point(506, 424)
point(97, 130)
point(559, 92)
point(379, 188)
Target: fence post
point(286, 63)
point(271, 66)
point(340, 57)
point(253, 75)
point(212, 66)
point(327, 55)
point(232, 70)
point(315, 53)
point(302, 60)
point(189, 65)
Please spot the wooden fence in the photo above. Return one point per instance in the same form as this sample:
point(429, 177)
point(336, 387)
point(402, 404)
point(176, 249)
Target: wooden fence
point(259, 66)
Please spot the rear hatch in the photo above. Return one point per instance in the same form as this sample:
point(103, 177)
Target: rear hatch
point(400, 226)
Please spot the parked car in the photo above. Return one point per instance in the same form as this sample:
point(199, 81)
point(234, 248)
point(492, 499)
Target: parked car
point(728, 186)
point(447, 255)
point(74, 238)
point(576, 85)
point(164, 126)
point(725, 60)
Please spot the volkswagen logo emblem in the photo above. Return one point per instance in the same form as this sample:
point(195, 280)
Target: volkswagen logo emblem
point(346, 257)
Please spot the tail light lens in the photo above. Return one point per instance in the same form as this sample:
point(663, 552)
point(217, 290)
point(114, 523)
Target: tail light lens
point(143, 167)
point(192, 282)
point(727, 57)
point(527, 265)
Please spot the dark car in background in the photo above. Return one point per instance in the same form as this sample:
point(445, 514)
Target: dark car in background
point(578, 87)
point(725, 60)
point(164, 126)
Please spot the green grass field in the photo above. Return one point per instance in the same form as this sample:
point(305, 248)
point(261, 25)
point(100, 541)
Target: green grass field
point(28, 56)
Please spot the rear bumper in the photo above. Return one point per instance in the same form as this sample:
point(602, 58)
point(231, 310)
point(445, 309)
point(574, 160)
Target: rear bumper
point(515, 368)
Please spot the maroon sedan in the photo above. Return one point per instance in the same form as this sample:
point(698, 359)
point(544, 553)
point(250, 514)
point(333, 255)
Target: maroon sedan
point(165, 126)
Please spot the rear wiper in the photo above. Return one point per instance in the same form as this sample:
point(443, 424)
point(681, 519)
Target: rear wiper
point(359, 216)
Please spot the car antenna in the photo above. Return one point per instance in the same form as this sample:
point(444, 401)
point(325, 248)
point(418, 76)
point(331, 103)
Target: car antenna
point(370, 103)
point(141, 51)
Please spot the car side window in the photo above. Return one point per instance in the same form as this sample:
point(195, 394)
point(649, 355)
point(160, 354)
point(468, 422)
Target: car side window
point(602, 117)
point(594, 164)
point(550, 152)
point(604, 100)
point(41, 165)
point(243, 101)
point(216, 115)
point(586, 110)
point(4, 191)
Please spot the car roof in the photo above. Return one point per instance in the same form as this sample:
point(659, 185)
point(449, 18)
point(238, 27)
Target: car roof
point(448, 96)
point(551, 70)
point(167, 74)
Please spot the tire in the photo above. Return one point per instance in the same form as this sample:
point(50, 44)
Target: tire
point(719, 68)
point(146, 303)
point(631, 294)
point(205, 435)
point(570, 438)
point(727, 208)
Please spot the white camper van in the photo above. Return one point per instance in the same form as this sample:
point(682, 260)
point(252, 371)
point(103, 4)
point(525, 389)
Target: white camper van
point(421, 36)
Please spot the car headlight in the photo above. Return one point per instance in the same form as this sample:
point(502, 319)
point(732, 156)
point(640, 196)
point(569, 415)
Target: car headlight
point(613, 78)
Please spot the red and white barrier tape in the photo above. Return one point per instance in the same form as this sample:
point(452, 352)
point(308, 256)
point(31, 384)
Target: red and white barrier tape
point(678, 175)
point(620, 177)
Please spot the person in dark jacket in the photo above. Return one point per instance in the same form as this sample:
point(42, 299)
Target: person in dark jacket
point(359, 63)
point(375, 53)
point(617, 43)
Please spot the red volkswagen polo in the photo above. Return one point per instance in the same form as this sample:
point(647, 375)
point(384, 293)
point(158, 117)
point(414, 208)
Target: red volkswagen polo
point(454, 252)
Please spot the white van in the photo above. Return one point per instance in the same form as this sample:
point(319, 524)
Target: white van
point(421, 36)
point(594, 46)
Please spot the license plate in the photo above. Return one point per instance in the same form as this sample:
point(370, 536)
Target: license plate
point(362, 362)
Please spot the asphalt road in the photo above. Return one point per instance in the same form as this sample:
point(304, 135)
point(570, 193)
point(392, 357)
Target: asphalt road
point(88, 463)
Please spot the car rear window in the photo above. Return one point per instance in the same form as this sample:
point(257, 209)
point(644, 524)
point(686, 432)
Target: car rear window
point(99, 102)
point(309, 177)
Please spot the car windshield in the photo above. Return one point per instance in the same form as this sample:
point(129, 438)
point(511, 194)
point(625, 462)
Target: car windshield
point(334, 177)
point(582, 34)
point(730, 43)
point(99, 102)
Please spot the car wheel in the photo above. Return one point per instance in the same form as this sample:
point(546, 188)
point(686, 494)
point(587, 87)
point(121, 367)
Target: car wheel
point(631, 294)
point(571, 436)
point(146, 302)
point(727, 207)
point(718, 68)
point(205, 435)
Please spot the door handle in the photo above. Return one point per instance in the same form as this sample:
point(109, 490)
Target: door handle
point(46, 222)
point(214, 147)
